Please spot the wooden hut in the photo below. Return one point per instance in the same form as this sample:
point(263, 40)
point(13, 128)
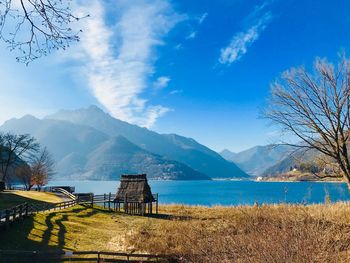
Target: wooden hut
point(135, 196)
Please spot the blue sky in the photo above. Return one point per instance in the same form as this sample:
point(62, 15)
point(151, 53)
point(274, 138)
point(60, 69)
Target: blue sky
point(201, 69)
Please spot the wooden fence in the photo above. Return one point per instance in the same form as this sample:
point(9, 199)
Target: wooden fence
point(18, 212)
point(85, 256)
point(63, 191)
point(15, 213)
point(107, 200)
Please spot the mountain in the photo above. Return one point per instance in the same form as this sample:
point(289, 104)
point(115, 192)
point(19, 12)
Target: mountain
point(119, 156)
point(170, 146)
point(256, 160)
point(82, 152)
point(61, 138)
point(90, 144)
point(289, 162)
point(228, 155)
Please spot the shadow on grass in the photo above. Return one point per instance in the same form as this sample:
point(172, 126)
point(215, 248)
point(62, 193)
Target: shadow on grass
point(156, 216)
point(170, 217)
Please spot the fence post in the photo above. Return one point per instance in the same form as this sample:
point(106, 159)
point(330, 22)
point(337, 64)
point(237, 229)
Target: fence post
point(34, 256)
point(92, 200)
point(14, 213)
point(126, 204)
point(109, 201)
point(20, 211)
point(26, 209)
point(7, 217)
point(104, 200)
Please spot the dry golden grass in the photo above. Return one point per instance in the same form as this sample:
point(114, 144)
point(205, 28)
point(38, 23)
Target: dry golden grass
point(274, 233)
point(280, 233)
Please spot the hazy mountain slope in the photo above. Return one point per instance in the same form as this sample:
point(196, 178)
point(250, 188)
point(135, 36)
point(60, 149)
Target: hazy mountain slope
point(256, 160)
point(61, 137)
point(171, 146)
point(82, 152)
point(289, 162)
point(119, 156)
point(227, 154)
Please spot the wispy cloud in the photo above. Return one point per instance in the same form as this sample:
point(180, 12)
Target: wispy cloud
point(161, 82)
point(176, 91)
point(241, 41)
point(119, 58)
point(192, 35)
point(202, 18)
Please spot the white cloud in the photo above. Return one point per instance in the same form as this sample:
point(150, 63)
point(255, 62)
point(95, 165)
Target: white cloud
point(244, 39)
point(202, 18)
point(161, 82)
point(178, 46)
point(192, 35)
point(176, 91)
point(119, 75)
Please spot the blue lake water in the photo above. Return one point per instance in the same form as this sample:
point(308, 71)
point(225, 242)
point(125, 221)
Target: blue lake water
point(227, 193)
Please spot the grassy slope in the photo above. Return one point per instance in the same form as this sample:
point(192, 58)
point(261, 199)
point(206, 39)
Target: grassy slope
point(13, 198)
point(280, 233)
point(76, 228)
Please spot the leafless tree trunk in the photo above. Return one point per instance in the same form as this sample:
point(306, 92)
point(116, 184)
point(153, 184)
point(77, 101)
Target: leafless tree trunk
point(36, 27)
point(315, 108)
point(42, 168)
point(15, 149)
point(25, 175)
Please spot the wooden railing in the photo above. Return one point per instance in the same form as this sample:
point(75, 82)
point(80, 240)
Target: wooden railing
point(98, 256)
point(10, 215)
point(64, 192)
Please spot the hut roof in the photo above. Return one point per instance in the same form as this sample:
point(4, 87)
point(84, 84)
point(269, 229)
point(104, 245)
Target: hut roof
point(135, 187)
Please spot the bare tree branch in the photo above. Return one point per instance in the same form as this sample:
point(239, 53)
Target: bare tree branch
point(316, 109)
point(36, 27)
point(15, 149)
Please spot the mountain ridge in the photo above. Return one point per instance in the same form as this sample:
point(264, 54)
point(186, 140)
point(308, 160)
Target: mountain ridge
point(74, 136)
point(258, 159)
point(172, 146)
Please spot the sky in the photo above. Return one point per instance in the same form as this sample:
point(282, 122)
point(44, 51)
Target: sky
point(201, 69)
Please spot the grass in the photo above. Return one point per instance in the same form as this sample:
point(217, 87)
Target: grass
point(76, 228)
point(12, 198)
point(274, 233)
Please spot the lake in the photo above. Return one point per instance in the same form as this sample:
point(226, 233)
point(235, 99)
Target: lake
point(227, 193)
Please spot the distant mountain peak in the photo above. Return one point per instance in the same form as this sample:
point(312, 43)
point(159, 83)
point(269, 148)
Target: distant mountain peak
point(227, 151)
point(165, 147)
point(25, 119)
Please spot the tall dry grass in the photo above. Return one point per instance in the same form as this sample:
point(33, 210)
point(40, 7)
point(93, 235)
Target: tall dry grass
point(280, 233)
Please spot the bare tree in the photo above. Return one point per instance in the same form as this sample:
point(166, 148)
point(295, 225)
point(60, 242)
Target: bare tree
point(42, 168)
point(36, 27)
point(315, 108)
point(25, 176)
point(14, 150)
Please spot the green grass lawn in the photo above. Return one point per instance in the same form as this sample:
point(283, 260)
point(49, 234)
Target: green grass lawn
point(12, 198)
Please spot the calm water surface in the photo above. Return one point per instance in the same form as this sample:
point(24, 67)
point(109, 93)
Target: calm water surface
point(227, 192)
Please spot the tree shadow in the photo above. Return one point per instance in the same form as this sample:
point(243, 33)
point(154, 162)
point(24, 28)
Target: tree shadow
point(170, 217)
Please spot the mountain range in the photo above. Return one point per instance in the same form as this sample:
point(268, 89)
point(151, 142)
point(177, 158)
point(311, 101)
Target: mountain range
point(90, 144)
point(268, 160)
